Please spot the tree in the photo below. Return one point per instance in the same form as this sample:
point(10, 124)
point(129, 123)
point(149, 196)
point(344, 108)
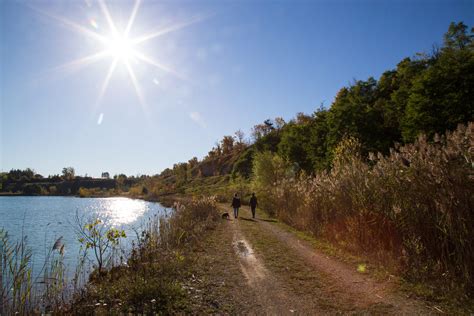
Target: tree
point(243, 166)
point(217, 149)
point(240, 139)
point(353, 114)
point(294, 145)
point(261, 130)
point(193, 162)
point(17, 174)
point(457, 37)
point(32, 189)
point(68, 173)
point(441, 96)
point(120, 180)
point(227, 144)
point(279, 123)
point(302, 118)
point(105, 175)
point(98, 237)
point(180, 171)
point(317, 148)
point(268, 170)
point(30, 173)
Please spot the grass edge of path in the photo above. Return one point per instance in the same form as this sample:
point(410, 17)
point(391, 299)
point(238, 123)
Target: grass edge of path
point(442, 303)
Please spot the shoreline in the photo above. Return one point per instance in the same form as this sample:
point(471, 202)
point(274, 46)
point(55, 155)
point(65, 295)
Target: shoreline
point(165, 200)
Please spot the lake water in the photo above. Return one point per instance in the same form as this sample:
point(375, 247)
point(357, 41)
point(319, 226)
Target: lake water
point(45, 219)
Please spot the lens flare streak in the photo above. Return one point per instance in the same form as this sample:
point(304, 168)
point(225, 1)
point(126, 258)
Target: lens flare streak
point(81, 62)
point(107, 80)
point(165, 68)
point(119, 46)
point(136, 85)
point(171, 28)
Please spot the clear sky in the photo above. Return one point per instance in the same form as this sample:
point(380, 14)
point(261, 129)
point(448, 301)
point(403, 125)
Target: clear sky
point(219, 66)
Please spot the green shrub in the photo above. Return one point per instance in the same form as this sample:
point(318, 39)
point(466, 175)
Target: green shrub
point(268, 170)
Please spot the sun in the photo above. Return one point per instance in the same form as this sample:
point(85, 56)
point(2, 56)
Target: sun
point(119, 46)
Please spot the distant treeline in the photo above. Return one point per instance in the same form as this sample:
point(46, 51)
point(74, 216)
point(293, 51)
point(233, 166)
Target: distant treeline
point(28, 182)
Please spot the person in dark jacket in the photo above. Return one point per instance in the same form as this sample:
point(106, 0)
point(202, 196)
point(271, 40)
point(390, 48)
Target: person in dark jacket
point(236, 205)
point(253, 204)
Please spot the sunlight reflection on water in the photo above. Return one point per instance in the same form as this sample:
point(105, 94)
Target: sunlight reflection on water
point(44, 219)
point(122, 210)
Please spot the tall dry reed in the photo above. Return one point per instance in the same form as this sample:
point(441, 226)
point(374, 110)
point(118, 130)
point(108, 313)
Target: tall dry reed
point(23, 290)
point(413, 208)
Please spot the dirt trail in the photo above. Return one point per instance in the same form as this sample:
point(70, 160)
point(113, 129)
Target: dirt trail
point(288, 275)
point(268, 290)
point(343, 280)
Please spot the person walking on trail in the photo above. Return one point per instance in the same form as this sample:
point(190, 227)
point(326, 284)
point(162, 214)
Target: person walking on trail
point(236, 205)
point(253, 204)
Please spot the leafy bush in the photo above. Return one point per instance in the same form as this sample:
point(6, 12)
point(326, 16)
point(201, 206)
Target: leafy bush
point(99, 237)
point(268, 170)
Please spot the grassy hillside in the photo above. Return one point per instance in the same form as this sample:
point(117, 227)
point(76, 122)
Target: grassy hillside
point(374, 173)
point(426, 94)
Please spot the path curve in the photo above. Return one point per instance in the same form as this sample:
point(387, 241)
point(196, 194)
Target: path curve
point(344, 281)
point(341, 281)
point(269, 292)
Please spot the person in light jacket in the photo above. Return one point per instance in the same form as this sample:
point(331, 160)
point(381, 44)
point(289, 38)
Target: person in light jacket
point(236, 205)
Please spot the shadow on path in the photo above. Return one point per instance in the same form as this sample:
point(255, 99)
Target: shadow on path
point(247, 219)
point(269, 220)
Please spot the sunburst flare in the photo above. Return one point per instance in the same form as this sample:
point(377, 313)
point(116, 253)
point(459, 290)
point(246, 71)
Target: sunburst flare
point(119, 46)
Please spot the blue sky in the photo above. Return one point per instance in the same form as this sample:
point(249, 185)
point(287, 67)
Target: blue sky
point(238, 64)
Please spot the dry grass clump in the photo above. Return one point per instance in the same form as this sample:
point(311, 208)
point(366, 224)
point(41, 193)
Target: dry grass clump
point(150, 282)
point(413, 208)
point(189, 221)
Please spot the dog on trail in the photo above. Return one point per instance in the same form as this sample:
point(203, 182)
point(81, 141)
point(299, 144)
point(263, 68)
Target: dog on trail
point(225, 216)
